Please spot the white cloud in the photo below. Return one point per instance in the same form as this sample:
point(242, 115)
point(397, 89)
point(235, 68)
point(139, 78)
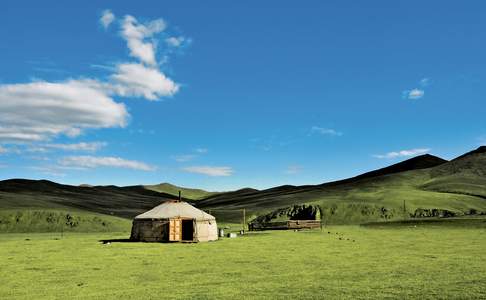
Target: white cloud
point(40, 110)
point(107, 17)
point(413, 94)
point(37, 149)
point(326, 131)
point(416, 94)
point(39, 158)
point(175, 41)
point(201, 150)
point(3, 150)
point(184, 157)
point(137, 34)
point(138, 80)
point(92, 146)
point(210, 170)
point(49, 170)
point(103, 67)
point(294, 169)
point(86, 161)
point(189, 157)
point(424, 82)
point(403, 153)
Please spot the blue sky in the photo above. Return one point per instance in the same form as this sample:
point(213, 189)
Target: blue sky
point(225, 94)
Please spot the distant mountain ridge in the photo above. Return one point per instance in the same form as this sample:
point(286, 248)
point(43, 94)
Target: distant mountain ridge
point(112, 200)
point(480, 150)
point(416, 163)
point(422, 182)
point(171, 189)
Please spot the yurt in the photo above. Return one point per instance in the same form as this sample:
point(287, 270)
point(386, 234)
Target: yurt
point(174, 221)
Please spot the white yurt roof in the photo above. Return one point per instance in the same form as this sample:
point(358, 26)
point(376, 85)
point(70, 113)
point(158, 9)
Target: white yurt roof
point(175, 209)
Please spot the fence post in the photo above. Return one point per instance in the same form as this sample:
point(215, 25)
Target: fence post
point(244, 219)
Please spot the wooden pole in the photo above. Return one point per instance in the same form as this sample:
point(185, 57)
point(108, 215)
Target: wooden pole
point(244, 218)
point(404, 211)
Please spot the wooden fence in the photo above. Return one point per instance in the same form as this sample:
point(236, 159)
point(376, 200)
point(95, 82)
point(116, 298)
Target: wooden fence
point(285, 225)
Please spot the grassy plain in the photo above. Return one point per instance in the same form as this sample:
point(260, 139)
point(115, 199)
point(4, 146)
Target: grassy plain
point(350, 262)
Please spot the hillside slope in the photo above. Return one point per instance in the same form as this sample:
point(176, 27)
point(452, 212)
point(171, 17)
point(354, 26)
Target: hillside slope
point(423, 182)
point(45, 206)
point(171, 189)
point(416, 163)
point(398, 191)
point(463, 175)
point(111, 200)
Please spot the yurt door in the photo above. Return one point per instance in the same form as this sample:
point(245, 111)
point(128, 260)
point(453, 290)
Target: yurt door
point(174, 230)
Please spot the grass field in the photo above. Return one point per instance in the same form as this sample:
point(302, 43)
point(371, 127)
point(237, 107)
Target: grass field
point(351, 262)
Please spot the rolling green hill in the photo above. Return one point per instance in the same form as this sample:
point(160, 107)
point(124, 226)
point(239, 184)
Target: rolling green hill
point(110, 200)
point(171, 189)
point(415, 187)
point(395, 192)
point(41, 205)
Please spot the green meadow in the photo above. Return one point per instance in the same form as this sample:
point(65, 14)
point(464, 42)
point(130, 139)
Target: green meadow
point(348, 262)
point(50, 240)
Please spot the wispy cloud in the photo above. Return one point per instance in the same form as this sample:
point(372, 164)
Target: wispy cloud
point(54, 171)
point(188, 157)
point(293, 169)
point(39, 158)
point(50, 70)
point(86, 161)
point(107, 17)
point(3, 150)
point(103, 67)
point(184, 157)
point(403, 153)
point(325, 131)
point(413, 94)
point(417, 93)
point(83, 146)
point(424, 82)
point(210, 170)
point(36, 149)
point(262, 144)
point(201, 150)
point(178, 41)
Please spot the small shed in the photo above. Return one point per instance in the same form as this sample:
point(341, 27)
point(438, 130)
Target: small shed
point(174, 221)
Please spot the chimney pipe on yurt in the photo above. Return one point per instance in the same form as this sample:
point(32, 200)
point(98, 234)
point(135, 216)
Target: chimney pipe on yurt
point(180, 198)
